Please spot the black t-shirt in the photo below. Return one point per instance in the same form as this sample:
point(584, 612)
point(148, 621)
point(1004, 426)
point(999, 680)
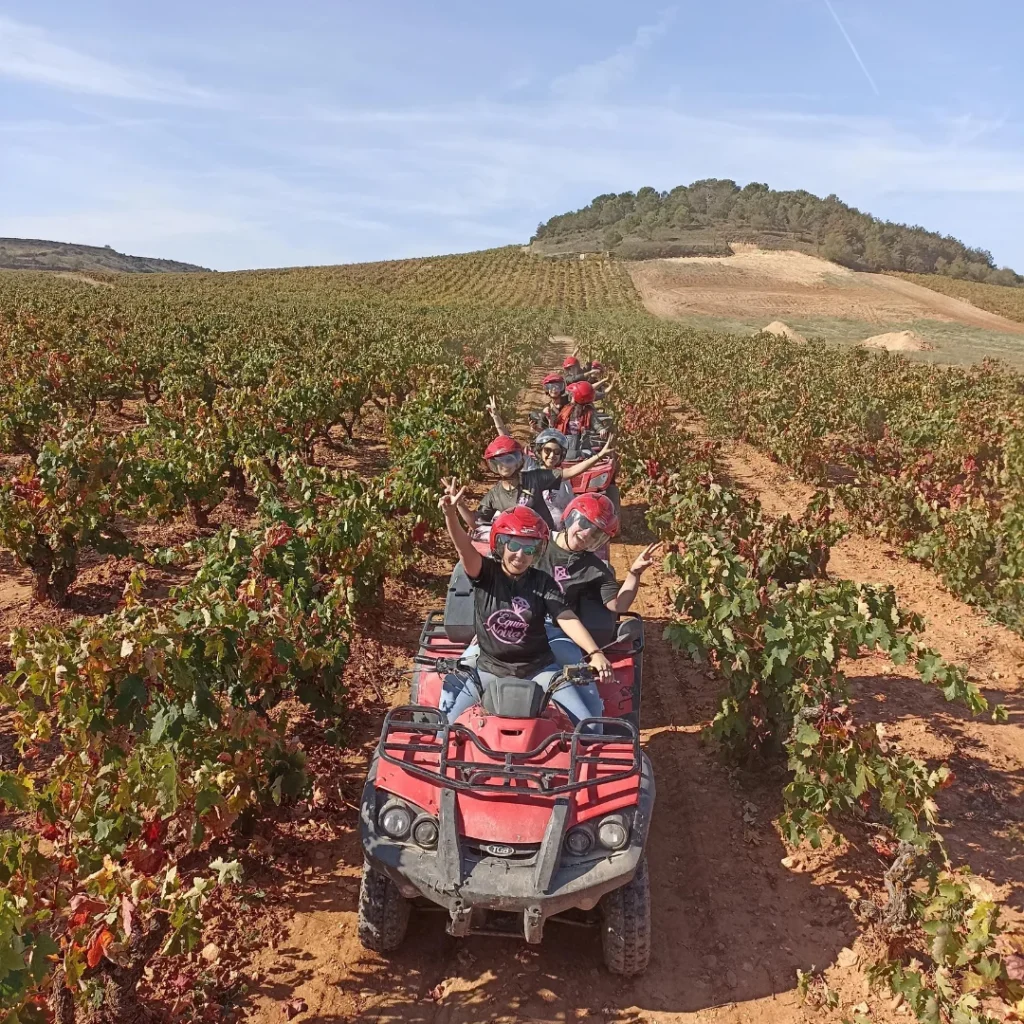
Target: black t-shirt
point(579, 574)
point(530, 491)
point(509, 616)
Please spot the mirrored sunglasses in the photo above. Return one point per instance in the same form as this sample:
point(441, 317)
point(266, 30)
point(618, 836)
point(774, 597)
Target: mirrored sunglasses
point(526, 547)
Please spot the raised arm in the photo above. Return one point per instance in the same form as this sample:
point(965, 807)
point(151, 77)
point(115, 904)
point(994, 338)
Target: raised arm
point(499, 423)
point(631, 584)
point(471, 558)
point(581, 467)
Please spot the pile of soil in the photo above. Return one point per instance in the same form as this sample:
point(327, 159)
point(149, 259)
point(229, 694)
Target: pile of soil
point(899, 341)
point(781, 330)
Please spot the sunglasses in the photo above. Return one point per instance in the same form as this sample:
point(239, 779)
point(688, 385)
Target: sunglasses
point(554, 389)
point(583, 524)
point(512, 461)
point(555, 450)
point(525, 547)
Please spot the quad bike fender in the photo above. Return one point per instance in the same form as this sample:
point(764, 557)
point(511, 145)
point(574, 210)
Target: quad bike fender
point(461, 875)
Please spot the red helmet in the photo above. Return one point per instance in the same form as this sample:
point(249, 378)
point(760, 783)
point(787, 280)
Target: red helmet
point(520, 522)
point(593, 512)
point(554, 378)
point(595, 365)
point(582, 392)
point(503, 444)
point(504, 451)
point(570, 363)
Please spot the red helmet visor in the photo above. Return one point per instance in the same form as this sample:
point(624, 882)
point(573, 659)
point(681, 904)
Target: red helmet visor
point(589, 535)
point(509, 462)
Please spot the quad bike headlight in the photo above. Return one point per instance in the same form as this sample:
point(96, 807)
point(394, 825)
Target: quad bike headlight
point(579, 841)
point(395, 820)
point(425, 833)
point(599, 482)
point(613, 832)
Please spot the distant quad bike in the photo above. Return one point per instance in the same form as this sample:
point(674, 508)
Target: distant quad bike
point(509, 817)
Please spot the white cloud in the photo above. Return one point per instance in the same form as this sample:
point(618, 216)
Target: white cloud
point(28, 54)
point(590, 82)
point(334, 185)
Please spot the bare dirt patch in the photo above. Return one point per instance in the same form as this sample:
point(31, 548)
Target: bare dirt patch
point(785, 285)
point(899, 341)
point(781, 330)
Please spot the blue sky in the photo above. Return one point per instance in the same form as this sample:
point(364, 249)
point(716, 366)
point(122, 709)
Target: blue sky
point(270, 134)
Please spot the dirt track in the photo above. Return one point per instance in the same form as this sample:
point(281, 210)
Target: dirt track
point(731, 923)
point(766, 286)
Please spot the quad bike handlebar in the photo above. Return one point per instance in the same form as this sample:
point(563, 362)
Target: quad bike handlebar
point(576, 675)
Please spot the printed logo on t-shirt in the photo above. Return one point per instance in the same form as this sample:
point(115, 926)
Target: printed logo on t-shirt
point(508, 625)
point(561, 574)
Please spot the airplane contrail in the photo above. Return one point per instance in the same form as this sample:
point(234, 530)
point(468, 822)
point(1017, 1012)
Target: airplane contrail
point(846, 36)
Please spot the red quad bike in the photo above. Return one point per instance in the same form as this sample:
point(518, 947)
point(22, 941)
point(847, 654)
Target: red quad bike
point(509, 816)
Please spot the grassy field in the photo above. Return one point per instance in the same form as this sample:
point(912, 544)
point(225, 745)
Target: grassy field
point(955, 344)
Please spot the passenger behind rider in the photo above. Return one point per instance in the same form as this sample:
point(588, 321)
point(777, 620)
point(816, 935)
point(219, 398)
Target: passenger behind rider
point(580, 421)
point(519, 486)
point(548, 452)
point(572, 371)
point(590, 522)
point(511, 598)
point(602, 385)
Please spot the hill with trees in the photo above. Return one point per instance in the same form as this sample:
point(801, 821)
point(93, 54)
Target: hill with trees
point(38, 254)
point(705, 218)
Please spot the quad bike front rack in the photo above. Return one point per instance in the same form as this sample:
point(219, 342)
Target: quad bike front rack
point(427, 731)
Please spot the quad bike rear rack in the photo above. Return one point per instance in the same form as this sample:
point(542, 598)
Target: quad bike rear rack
point(432, 733)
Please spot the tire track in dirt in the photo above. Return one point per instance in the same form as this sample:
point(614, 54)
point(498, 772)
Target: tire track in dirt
point(765, 285)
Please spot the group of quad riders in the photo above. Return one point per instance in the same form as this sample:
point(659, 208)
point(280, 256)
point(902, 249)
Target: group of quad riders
point(548, 548)
point(512, 789)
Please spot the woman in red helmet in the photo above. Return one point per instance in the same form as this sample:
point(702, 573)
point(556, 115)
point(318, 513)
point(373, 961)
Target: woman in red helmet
point(519, 486)
point(590, 521)
point(579, 420)
point(554, 388)
point(572, 371)
point(511, 599)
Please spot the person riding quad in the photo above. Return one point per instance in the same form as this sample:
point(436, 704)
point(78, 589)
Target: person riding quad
point(572, 370)
point(548, 452)
point(519, 486)
point(602, 385)
point(580, 419)
point(511, 598)
point(554, 388)
point(590, 521)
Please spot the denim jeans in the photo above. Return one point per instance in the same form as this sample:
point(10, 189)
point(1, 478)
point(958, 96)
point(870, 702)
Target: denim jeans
point(460, 692)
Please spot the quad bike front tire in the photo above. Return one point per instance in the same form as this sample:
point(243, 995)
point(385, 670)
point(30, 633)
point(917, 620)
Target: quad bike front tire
point(626, 924)
point(383, 912)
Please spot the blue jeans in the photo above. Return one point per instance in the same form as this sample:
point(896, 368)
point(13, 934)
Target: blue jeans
point(460, 692)
point(567, 652)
